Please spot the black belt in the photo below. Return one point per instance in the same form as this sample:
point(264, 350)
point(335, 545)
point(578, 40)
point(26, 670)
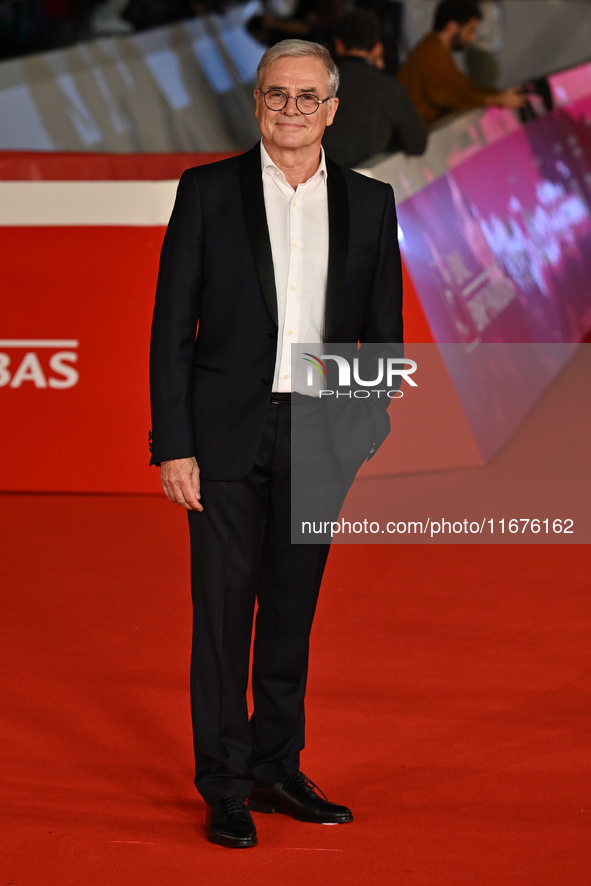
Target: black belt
point(280, 398)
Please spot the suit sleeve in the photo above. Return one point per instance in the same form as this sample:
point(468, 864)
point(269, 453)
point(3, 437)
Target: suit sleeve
point(174, 326)
point(383, 321)
point(383, 330)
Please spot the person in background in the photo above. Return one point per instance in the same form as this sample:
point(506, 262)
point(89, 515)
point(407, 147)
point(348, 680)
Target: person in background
point(436, 86)
point(482, 56)
point(375, 113)
point(145, 14)
point(310, 20)
point(393, 19)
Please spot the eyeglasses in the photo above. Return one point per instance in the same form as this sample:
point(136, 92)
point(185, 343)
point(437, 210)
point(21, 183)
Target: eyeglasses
point(306, 103)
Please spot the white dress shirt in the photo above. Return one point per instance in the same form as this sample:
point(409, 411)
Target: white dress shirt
point(298, 229)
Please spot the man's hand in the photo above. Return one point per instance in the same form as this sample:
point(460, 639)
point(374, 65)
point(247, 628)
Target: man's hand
point(513, 98)
point(180, 481)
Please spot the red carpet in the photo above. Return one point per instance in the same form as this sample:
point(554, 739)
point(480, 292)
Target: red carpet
point(449, 705)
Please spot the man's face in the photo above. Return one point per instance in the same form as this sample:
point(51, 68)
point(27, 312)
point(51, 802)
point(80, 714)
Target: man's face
point(289, 129)
point(464, 35)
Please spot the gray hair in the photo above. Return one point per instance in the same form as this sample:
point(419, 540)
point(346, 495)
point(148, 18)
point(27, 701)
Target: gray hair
point(299, 49)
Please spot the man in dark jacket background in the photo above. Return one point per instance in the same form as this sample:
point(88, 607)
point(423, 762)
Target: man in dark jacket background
point(376, 114)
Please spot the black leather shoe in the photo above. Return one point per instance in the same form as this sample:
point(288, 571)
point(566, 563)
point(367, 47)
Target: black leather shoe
point(229, 823)
point(296, 796)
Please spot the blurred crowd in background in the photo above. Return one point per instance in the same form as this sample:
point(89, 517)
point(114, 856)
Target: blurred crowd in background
point(36, 25)
point(390, 93)
point(28, 26)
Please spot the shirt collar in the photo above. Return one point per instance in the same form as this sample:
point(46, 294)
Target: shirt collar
point(268, 166)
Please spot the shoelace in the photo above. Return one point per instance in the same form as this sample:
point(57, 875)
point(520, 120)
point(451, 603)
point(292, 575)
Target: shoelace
point(307, 783)
point(234, 806)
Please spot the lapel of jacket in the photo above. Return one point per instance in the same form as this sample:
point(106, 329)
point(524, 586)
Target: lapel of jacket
point(253, 200)
point(338, 240)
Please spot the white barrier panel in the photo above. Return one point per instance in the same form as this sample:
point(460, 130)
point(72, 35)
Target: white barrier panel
point(137, 204)
point(181, 88)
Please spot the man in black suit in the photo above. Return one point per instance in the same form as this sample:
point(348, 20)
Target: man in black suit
point(273, 247)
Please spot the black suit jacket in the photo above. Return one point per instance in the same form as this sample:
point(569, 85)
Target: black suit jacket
point(210, 391)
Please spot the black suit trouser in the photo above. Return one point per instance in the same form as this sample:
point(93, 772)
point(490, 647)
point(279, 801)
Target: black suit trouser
point(241, 554)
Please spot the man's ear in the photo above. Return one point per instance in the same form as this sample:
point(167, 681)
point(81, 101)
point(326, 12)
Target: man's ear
point(376, 55)
point(334, 103)
point(449, 32)
point(339, 46)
